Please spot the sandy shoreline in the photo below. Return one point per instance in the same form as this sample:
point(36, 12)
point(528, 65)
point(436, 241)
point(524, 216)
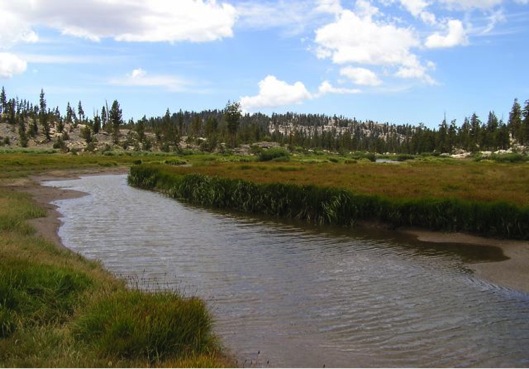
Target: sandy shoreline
point(48, 227)
point(512, 273)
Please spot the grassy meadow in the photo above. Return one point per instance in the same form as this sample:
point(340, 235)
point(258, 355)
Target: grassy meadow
point(481, 197)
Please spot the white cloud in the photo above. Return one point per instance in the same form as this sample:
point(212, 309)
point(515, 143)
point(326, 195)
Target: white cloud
point(361, 76)
point(417, 71)
point(138, 73)
point(329, 6)
point(494, 18)
point(471, 4)
point(455, 36)
point(354, 39)
point(14, 30)
point(129, 20)
point(274, 93)
point(417, 8)
point(327, 88)
point(10, 65)
point(140, 78)
point(65, 59)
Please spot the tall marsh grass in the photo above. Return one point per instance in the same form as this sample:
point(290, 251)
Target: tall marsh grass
point(336, 206)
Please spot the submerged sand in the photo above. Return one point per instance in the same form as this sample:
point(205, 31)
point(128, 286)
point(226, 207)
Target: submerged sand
point(512, 273)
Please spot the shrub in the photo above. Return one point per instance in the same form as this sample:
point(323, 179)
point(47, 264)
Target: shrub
point(276, 153)
point(510, 158)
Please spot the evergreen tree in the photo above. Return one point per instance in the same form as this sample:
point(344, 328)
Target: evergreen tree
point(97, 123)
point(104, 118)
point(3, 102)
point(524, 136)
point(44, 116)
point(80, 112)
point(515, 121)
point(490, 133)
point(232, 116)
point(140, 129)
point(475, 129)
point(70, 114)
point(116, 120)
point(22, 133)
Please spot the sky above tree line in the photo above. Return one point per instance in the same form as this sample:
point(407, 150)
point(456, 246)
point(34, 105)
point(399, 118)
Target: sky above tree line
point(395, 61)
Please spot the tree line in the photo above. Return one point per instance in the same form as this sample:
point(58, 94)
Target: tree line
point(216, 129)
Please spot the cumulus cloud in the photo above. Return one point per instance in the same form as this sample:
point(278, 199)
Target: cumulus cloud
point(361, 76)
point(274, 93)
point(140, 78)
point(130, 20)
point(455, 35)
point(10, 65)
point(327, 88)
point(417, 71)
point(355, 39)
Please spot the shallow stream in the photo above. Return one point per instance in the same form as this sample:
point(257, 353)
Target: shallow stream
point(289, 295)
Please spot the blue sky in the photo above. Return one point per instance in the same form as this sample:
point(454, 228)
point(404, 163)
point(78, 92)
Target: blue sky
point(396, 61)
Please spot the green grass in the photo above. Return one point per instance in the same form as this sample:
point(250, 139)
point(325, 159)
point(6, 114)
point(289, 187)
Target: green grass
point(136, 325)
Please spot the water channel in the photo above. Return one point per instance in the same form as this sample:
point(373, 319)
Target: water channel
point(288, 295)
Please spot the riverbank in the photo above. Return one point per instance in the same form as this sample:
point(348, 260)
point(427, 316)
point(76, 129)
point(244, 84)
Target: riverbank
point(512, 273)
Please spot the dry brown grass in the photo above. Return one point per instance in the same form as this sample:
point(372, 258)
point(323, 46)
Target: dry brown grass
point(468, 180)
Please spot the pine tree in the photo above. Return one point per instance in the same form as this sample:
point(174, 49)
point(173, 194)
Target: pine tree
point(3, 102)
point(44, 116)
point(70, 114)
point(104, 118)
point(515, 121)
point(525, 125)
point(80, 112)
point(232, 116)
point(97, 123)
point(116, 120)
point(490, 133)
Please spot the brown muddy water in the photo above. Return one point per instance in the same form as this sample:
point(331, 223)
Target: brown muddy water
point(288, 295)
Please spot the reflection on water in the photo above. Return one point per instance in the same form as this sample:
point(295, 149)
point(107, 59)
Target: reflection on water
point(287, 295)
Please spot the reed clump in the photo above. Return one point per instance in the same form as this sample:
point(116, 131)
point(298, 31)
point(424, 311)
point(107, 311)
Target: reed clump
point(335, 206)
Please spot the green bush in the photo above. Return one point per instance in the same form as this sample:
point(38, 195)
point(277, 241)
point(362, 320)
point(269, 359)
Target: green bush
point(510, 158)
point(276, 154)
